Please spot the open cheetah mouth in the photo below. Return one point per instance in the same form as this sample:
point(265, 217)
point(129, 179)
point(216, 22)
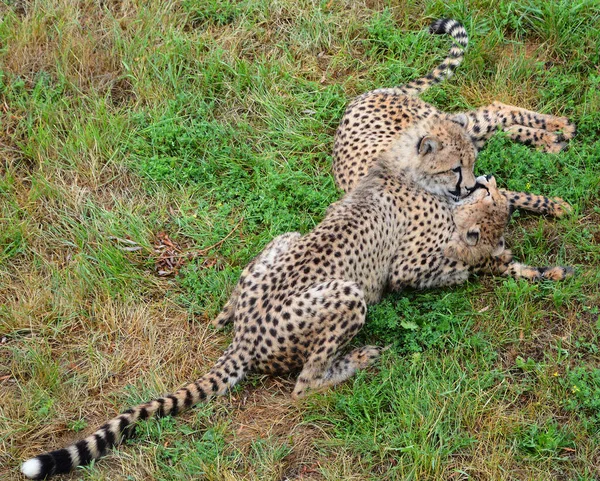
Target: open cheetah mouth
point(473, 195)
point(478, 186)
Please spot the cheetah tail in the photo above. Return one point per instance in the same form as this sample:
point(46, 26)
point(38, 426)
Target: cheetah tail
point(446, 69)
point(229, 369)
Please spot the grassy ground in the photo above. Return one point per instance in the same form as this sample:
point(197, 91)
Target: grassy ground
point(209, 124)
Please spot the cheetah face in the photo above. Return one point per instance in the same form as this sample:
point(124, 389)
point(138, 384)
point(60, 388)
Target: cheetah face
point(439, 156)
point(480, 221)
point(447, 156)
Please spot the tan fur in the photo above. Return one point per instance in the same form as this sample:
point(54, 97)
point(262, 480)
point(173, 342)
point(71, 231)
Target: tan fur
point(480, 221)
point(373, 121)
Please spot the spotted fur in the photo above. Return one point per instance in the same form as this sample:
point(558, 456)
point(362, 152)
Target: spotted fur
point(304, 297)
point(375, 119)
point(478, 239)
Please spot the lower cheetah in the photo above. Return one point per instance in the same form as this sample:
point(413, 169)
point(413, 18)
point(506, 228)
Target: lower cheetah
point(373, 120)
point(302, 300)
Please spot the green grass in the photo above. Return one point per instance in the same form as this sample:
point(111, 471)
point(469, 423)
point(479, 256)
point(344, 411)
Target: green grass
point(213, 123)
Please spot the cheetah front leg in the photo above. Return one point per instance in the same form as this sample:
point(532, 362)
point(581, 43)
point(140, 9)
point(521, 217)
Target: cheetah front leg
point(260, 264)
point(339, 313)
point(540, 204)
point(531, 128)
point(505, 265)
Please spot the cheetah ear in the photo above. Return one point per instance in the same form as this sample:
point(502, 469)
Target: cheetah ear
point(428, 145)
point(472, 236)
point(460, 119)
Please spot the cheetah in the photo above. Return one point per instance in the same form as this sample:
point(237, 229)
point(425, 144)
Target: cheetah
point(374, 119)
point(304, 297)
point(478, 238)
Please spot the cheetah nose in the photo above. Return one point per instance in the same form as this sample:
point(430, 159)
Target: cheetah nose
point(491, 181)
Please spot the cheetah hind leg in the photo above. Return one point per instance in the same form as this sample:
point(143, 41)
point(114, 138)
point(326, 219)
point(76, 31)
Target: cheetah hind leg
point(346, 366)
point(548, 131)
point(340, 314)
point(549, 141)
point(260, 264)
point(555, 207)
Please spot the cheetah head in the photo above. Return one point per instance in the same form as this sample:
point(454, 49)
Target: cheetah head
point(438, 155)
point(480, 221)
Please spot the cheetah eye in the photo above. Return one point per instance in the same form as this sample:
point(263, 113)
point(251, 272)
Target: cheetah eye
point(446, 172)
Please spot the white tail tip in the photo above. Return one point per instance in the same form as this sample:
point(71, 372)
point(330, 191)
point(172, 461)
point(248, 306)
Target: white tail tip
point(31, 468)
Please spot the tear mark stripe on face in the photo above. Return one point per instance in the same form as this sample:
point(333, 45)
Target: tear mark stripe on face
point(456, 192)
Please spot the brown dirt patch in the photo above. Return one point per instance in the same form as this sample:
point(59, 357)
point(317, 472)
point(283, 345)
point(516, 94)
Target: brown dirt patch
point(268, 412)
point(85, 53)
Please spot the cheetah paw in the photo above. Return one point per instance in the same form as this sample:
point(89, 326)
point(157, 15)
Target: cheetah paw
point(555, 147)
point(568, 129)
point(564, 128)
point(366, 356)
point(561, 207)
point(558, 273)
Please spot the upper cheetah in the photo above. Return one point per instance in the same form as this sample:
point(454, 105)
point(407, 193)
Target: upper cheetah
point(304, 297)
point(373, 120)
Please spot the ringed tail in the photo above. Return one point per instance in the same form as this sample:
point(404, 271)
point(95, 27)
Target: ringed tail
point(228, 370)
point(445, 69)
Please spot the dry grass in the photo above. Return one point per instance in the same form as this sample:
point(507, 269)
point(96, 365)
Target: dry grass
point(127, 119)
